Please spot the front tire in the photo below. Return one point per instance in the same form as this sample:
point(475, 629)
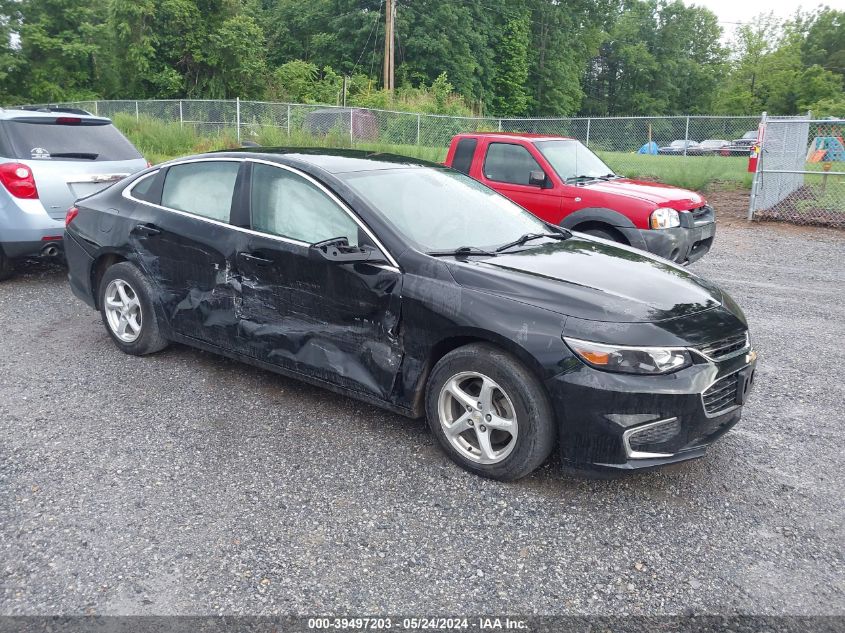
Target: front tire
point(605, 235)
point(489, 413)
point(125, 300)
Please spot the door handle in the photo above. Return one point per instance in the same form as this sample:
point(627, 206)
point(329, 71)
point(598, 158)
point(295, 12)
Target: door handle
point(147, 229)
point(256, 259)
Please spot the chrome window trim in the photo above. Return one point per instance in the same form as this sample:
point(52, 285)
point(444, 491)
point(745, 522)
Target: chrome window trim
point(127, 193)
point(631, 453)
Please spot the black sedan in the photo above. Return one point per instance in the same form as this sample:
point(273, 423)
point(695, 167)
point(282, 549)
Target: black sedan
point(413, 287)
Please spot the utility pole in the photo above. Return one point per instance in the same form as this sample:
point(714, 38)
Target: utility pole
point(389, 67)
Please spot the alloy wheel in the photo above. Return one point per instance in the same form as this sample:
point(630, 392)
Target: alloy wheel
point(123, 311)
point(478, 417)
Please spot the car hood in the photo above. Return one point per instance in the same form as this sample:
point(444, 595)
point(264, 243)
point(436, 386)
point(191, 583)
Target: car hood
point(653, 192)
point(592, 279)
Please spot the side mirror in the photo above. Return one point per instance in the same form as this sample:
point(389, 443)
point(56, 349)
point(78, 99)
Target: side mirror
point(538, 178)
point(339, 250)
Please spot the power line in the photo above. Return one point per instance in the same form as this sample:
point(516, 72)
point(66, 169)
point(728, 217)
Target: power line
point(374, 27)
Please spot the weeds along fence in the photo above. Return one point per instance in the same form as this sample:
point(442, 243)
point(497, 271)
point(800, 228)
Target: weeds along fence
point(617, 139)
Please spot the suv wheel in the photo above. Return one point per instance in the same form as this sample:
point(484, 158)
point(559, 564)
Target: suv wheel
point(489, 413)
point(6, 269)
point(125, 299)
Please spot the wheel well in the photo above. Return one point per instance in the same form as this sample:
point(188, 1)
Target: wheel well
point(441, 348)
point(99, 268)
point(593, 224)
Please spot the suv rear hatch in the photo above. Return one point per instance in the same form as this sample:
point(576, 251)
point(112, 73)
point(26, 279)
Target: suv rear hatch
point(71, 156)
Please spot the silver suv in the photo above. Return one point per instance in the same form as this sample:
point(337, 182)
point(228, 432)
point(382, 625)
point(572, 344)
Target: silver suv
point(48, 159)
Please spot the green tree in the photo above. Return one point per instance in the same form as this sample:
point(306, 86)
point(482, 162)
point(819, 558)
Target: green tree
point(510, 80)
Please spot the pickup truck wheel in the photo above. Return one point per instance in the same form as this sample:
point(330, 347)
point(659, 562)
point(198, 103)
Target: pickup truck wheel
point(605, 235)
point(6, 269)
point(489, 413)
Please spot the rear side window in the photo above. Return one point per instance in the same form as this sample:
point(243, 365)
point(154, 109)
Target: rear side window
point(203, 188)
point(44, 139)
point(510, 163)
point(464, 152)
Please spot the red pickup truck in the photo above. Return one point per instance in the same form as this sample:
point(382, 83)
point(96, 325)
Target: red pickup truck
point(562, 182)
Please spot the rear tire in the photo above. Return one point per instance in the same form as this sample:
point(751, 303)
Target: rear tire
point(489, 413)
point(6, 269)
point(125, 300)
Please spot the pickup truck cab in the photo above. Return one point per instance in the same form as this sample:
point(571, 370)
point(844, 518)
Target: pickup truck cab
point(562, 182)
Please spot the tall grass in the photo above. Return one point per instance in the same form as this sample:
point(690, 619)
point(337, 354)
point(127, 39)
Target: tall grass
point(159, 141)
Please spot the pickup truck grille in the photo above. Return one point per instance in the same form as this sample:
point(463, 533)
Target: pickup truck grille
point(726, 347)
point(703, 215)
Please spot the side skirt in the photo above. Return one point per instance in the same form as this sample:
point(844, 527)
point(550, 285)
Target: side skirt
point(248, 360)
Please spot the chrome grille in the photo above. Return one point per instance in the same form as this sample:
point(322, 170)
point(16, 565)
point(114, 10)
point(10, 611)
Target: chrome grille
point(723, 348)
point(721, 395)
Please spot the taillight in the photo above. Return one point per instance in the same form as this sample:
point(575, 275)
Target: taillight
point(71, 214)
point(68, 120)
point(18, 180)
point(149, 164)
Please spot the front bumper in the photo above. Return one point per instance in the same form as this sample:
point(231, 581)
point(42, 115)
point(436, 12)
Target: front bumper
point(687, 243)
point(629, 422)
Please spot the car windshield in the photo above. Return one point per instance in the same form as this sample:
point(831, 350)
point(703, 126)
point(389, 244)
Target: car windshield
point(570, 159)
point(750, 135)
point(443, 210)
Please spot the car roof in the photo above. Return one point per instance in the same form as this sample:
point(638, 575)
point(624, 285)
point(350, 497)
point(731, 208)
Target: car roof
point(18, 113)
point(333, 161)
point(522, 136)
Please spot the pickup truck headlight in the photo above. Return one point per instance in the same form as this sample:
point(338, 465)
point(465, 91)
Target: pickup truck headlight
point(630, 360)
point(665, 218)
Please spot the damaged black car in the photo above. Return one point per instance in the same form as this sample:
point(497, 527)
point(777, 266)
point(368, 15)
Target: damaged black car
point(413, 287)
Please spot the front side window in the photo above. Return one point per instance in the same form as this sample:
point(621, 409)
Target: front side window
point(571, 160)
point(441, 209)
point(509, 163)
point(203, 188)
point(287, 205)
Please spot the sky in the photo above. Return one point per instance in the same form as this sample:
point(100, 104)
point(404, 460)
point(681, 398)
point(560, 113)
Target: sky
point(732, 11)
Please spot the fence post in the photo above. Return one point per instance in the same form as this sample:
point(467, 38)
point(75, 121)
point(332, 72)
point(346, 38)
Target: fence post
point(96, 108)
point(137, 113)
point(238, 117)
point(181, 118)
point(351, 128)
point(588, 132)
point(418, 130)
point(686, 137)
point(755, 177)
point(500, 125)
point(288, 120)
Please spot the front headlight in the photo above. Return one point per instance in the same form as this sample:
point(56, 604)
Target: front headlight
point(630, 360)
point(665, 218)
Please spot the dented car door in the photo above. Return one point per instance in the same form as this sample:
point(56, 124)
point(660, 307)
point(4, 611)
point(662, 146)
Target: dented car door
point(333, 321)
point(187, 245)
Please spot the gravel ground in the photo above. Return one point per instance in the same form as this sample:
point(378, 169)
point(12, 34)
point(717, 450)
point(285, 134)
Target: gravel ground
point(184, 483)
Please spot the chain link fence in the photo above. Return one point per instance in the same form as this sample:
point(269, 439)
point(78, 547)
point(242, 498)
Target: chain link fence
point(800, 174)
point(644, 147)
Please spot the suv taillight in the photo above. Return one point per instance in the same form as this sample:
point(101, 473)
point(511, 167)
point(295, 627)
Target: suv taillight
point(70, 215)
point(18, 180)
